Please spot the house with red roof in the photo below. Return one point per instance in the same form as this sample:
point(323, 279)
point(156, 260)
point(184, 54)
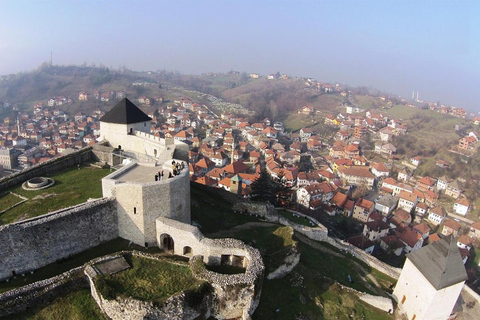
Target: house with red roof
point(461, 206)
point(362, 209)
point(436, 215)
point(426, 183)
point(451, 226)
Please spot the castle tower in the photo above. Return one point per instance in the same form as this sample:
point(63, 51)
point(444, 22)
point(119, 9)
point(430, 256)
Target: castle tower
point(123, 119)
point(236, 185)
point(431, 281)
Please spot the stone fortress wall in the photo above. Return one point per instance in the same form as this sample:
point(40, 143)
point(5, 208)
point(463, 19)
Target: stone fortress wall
point(48, 167)
point(30, 244)
point(318, 232)
point(237, 295)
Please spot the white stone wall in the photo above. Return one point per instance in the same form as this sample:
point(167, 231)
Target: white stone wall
point(237, 295)
point(139, 204)
point(421, 298)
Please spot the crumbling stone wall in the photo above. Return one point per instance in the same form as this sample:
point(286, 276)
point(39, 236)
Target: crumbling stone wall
point(41, 293)
point(30, 244)
point(236, 295)
point(177, 307)
point(104, 154)
point(262, 209)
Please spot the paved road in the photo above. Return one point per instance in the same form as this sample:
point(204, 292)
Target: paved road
point(456, 216)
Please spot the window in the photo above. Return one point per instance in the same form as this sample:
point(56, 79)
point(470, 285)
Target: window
point(134, 210)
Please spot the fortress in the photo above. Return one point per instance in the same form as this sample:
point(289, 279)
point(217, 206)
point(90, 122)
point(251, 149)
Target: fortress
point(146, 201)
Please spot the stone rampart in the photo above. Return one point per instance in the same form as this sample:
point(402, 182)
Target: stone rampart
point(177, 307)
point(47, 167)
point(370, 260)
point(41, 293)
point(140, 203)
point(318, 233)
point(237, 295)
point(104, 154)
point(30, 244)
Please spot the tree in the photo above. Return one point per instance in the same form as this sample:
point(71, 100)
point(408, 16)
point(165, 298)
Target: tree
point(283, 193)
point(263, 189)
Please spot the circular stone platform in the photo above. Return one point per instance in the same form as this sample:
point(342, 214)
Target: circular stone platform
point(38, 183)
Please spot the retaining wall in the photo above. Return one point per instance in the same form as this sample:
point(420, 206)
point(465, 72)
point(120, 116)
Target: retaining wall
point(318, 233)
point(41, 293)
point(30, 244)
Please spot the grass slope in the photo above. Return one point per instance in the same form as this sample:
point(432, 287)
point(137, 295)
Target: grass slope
point(212, 211)
point(76, 305)
point(311, 290)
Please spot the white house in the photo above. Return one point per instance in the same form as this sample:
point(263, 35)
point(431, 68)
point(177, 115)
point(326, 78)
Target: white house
point(407, 200)
point(386, 204)
point(431, 281)
point(436, 215)
point(442, 183)
point(461, 206)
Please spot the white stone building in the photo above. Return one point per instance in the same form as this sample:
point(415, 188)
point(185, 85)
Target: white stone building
point(431, 281)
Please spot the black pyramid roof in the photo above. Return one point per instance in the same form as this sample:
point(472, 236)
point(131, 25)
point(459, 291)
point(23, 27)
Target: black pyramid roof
point(125, 112)
point(440, 262)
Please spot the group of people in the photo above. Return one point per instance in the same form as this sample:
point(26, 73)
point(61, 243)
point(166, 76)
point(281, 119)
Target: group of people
point(177, 167)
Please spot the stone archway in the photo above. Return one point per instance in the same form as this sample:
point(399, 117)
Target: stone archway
point(187, 251)
point(167, 243)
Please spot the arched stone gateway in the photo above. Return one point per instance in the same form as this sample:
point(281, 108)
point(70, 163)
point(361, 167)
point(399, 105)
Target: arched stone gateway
point(187, 251)
point(166, 242)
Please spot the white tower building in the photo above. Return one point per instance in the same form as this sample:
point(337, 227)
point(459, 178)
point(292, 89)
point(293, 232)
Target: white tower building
point(431, 281)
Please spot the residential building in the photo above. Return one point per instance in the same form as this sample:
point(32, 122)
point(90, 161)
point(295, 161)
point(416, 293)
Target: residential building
point(357, 175)
point(362, 209)
point(436, 215)
point(461, 206)
point(407, 200)
point(475, 230)
point(451, 226)
point(386, 204)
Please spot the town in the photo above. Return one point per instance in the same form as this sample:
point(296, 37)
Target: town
point(348, 175)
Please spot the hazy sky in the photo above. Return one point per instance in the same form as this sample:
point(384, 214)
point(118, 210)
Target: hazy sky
point(395, 46)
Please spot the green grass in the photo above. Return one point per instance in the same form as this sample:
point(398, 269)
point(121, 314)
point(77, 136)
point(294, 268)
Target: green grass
point(77, 260)
point(71, 187)
point(76, 305)
point(368, 102)
point(7, 200)
point(299, 220)
point(149, 280)
point(297, 121)
point(212, 211)
point(307, 293)
point(337, 268)
point(274, 243)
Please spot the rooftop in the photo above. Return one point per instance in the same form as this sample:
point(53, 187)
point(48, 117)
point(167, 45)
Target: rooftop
point(143, 173)
point(125, 112)
point(440, 262)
